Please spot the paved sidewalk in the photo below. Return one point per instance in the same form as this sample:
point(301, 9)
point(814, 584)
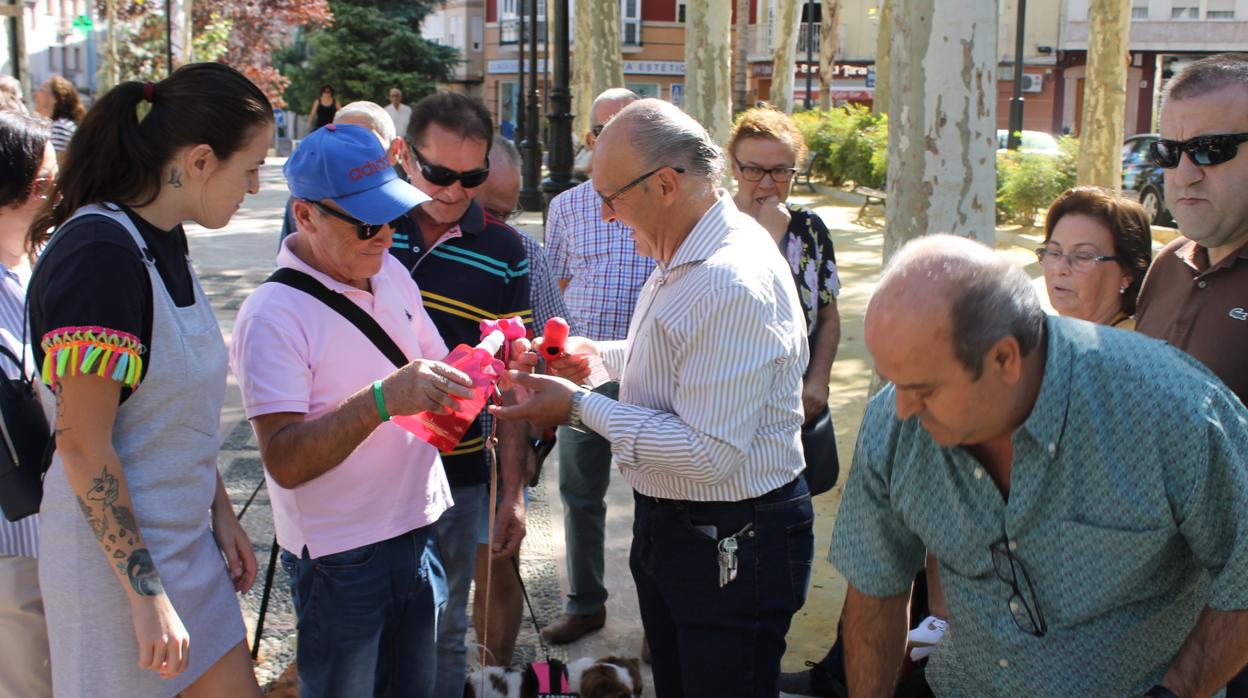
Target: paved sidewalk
point(234, 260)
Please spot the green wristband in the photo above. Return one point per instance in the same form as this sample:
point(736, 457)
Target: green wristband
point(381, 401)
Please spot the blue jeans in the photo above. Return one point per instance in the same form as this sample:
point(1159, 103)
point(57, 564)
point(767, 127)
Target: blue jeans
point(367, 617)
point(584, 475)
point(713, 641)
point(456, 534)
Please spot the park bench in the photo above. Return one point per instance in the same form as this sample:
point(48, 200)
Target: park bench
point(804, 172)
point(869, 196)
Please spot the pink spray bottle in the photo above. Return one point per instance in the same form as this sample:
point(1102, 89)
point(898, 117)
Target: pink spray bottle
point(444, 431)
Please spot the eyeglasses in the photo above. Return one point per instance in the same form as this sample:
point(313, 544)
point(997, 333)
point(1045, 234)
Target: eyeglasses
point(1080, 260)
point(608, 200)
point(364, 231)
point(1024, 608)
point(445, 177)
point(779, 175)
point(1203, 150)
point(597, 130)
point(505, 216)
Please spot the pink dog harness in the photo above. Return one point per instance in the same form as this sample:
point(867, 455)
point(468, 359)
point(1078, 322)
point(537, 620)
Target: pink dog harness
point(545, 672)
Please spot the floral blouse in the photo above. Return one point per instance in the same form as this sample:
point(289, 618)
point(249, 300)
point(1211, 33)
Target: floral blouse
point(807, 245)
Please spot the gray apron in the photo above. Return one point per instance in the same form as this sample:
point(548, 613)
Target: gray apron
point(166, 437)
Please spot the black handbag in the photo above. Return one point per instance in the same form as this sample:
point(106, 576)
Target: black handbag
point(823, 465)
point(26, 443)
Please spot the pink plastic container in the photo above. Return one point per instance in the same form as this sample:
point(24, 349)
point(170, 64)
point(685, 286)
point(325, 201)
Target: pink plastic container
point(445, 431)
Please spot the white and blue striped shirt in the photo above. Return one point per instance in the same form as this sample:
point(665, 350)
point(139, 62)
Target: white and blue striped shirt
point(710, 404)
point(20, 538)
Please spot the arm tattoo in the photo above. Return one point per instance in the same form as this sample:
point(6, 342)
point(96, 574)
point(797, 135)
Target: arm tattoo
point(142, 574)
point(59, 391)
point(136, 565)
point(175, 179)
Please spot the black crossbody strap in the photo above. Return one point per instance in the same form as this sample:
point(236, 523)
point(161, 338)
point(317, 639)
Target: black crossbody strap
point(344, 307)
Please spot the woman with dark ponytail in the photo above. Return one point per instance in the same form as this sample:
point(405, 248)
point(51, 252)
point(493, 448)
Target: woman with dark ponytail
point(136, 521)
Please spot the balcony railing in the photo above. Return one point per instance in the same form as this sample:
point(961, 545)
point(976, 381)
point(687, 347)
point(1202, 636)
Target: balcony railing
point(509, 30)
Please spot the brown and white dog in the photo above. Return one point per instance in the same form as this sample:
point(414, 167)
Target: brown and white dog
point(605, 677)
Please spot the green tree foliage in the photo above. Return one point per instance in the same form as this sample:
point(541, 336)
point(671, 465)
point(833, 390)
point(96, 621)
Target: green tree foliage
point(372, 45)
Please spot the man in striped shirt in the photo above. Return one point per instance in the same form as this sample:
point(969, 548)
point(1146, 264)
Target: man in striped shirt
point(706, 429)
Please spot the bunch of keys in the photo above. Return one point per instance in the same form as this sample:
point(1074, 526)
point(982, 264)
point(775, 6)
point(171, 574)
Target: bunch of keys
point(728, 556)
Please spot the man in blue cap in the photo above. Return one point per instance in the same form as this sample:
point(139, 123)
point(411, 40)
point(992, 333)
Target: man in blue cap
point(354, 497)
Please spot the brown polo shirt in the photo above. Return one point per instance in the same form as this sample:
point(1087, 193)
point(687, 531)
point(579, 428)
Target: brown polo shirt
point(1200, 309)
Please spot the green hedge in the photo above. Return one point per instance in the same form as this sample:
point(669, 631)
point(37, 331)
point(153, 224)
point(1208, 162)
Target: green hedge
point(1027, 183)
point(850, 144)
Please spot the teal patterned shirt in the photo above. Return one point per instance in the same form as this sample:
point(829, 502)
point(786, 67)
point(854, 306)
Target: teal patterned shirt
point(1126, 509)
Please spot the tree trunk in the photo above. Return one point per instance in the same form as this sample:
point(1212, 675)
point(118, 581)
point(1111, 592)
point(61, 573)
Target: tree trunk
point(883, 57)
point(741, 67)
point(708, 66)
point(599, 64)
point(582, 52)
point(1104, 94)
point(942, 139)
point(784, 65)
point(829, 46)
point(110, 54)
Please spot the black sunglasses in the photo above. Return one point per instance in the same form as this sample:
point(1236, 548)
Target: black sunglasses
point(1203, 150)
point(445, 177)
point(1024, 607)
point(364, 231)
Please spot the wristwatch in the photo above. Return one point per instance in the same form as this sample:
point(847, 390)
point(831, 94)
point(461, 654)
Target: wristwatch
point(574, 411)
point(1159, 691)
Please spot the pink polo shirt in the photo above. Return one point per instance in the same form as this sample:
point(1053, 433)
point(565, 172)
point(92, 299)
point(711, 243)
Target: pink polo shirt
point(292, 353)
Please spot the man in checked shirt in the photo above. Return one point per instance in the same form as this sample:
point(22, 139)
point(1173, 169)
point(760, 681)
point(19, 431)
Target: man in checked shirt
point(706, 426)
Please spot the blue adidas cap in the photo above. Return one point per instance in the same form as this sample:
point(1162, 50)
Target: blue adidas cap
point(347, 165)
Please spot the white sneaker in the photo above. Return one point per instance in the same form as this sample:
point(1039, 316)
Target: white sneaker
point(925, 636)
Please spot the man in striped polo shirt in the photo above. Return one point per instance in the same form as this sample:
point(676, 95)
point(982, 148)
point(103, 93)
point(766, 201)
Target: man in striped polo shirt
point(706, 428)
point(469, 267)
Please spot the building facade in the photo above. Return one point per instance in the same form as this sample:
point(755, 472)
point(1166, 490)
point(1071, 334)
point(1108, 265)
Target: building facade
point(1165, 36)
point(43, 38)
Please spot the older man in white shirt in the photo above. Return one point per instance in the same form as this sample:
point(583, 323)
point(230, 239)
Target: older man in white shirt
point(706, 429)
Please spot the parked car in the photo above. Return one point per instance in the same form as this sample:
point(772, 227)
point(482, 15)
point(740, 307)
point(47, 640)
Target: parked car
point(1033, 142)
point(1142, 179)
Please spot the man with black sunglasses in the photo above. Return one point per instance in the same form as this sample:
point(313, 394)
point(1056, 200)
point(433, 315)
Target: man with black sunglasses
point(355, 497)
point(469, 267)
point(1196, 294)
point(1082, 488)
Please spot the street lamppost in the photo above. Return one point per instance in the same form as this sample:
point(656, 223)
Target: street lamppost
point(1015, 137)
point(168, 38)
point(810, 45)
point(560, 116)
point(530, 194)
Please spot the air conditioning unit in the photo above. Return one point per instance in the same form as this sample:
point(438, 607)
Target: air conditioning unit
point(1032, 82)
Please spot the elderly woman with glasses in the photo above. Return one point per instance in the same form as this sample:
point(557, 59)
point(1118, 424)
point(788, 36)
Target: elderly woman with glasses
point(764, 149)
point(1097, 248)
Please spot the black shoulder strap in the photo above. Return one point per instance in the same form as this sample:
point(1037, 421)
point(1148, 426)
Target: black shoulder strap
point(339, 303)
